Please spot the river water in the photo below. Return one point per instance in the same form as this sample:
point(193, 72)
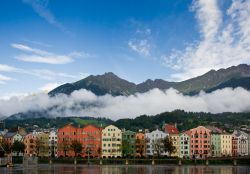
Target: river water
point(121, 169)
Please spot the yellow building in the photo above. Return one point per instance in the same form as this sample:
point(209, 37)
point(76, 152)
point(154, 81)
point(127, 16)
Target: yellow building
point(111, 142)
point(226, 144)
point(176, 142)
point(42, 144)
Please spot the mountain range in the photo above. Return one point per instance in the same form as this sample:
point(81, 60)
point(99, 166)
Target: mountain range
point(109, 83)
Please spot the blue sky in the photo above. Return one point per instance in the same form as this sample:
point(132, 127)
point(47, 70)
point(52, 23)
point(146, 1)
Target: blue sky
point(49, 42)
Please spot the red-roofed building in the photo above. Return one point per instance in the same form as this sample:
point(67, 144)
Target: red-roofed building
point(171, 129)
point(173, 133)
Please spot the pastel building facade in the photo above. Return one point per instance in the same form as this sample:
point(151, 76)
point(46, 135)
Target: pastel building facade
point(8, 137)
point(53, 144)
point(30, 145)
point(111, 142)
point(153, 140)
point(140, 144)
point(200, 142)
point(42, 143)
point(173, 132)
point(65, 136)
point(184, 148)
point(226, 144)
point(249, 144)
point(89, 137)
point(240, 143)
point(215, 144)
point(92, 141)
point(17, 137)
point(128, 143)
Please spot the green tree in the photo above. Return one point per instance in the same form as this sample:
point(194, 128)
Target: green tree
point(76, 146)
point(157, 146)
point(140, 146)
point(168, 145)
point(125, 148)
point(7, 147)
point(64, 146)
point(18, 147)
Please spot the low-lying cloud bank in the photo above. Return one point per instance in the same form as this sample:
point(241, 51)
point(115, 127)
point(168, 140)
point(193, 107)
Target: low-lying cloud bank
point(85, 103)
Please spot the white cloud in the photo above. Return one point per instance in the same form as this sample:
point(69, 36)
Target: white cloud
point(7, 68)
point(29, 49)
point(145, 31)
point(49, 86)
point(41, 8)
point(50, 75)
point(37, 43)
point(41, 56)
point(223, 43)
point(49, 59)
point(151, 103)
point(41, 73)
point(4, 78)
point(142, 47)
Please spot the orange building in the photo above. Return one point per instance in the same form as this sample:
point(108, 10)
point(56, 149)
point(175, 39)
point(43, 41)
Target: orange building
point(92, 141)
point(65, 136)
point(200, 142)
point(89, 137)
point(140, 144)
point(30, 145)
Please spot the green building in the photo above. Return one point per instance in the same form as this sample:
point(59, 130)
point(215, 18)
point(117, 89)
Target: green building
point(128, 143)
point(215, 144)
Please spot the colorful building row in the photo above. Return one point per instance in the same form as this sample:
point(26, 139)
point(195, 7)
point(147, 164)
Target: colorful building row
point(112, 142)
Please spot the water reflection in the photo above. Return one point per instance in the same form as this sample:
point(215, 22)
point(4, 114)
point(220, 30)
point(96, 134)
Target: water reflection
point(80, 169)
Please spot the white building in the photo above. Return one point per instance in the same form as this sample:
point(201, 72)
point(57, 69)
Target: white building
point(249, 144)
point(53, 144)
point(17, 137)
point(154, 143)
point(242, 142)
point(184, 145)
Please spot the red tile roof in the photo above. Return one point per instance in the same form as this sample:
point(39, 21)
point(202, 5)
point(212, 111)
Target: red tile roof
point(171, 129)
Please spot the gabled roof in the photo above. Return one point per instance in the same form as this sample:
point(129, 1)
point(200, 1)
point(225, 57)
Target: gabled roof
point(238, 133)
point(10, 134)
point(214, 129)
point(188, 132)
point(171, 129)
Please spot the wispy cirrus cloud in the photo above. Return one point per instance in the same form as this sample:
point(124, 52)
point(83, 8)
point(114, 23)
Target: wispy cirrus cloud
point(51, 75)
point(41, 7)
point(37, 43)
point(225, 41)
point(41, 56)
point(40, 73)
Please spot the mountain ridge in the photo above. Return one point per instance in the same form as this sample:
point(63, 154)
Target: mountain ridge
point(109, 83)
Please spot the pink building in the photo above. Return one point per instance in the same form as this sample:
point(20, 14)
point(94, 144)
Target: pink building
point(200, 142)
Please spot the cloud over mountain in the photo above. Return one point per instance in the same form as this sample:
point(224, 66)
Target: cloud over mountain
point(85, 103)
